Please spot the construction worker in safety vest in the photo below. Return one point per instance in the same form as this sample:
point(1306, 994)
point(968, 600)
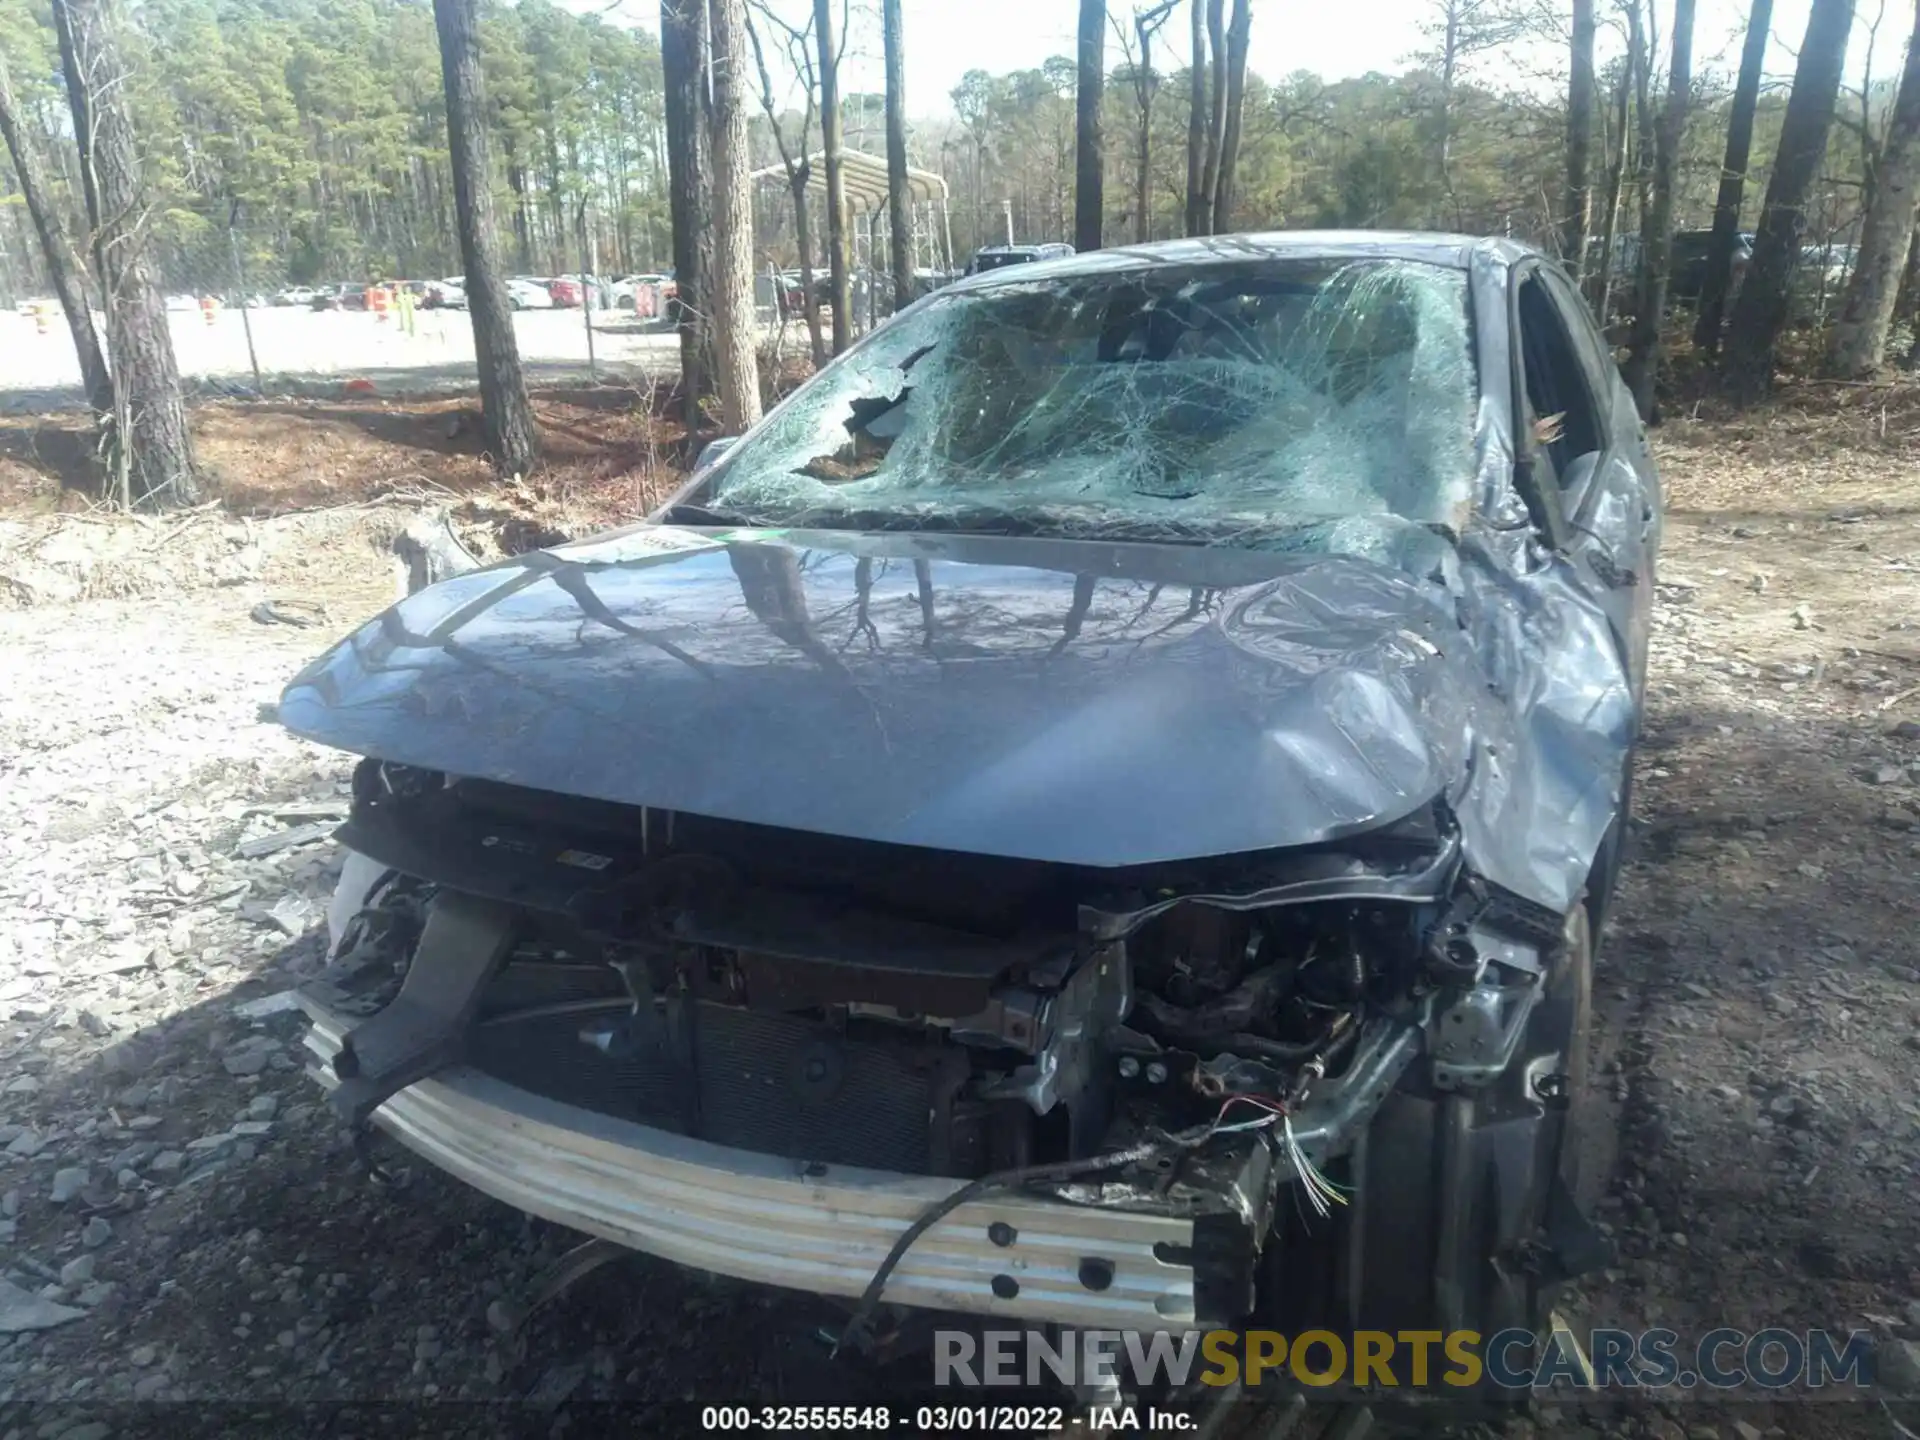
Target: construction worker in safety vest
point(40, 317)
point(403, 302)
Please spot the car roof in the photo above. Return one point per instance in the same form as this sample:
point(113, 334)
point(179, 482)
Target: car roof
point(1452, 251)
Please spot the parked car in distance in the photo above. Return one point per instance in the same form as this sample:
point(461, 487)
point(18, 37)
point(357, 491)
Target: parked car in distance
point(1835, 261)
point(183, 301)
point(571, 291)
point(1687, 280)
point(993, 257)
point(1687, 277)
point(1194, 875)
point(295, 295)
point(445, 295)
point(790, 292)
point(342, 296)
point(529, 293)
point(626, 291)
point(927, 279)
point(1820, 281)
point(649, 294)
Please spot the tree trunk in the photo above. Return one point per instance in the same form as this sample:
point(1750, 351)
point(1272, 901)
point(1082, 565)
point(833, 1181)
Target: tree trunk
point(505, 410)
point(1144, 24)
point(1760, 312)
point(1089, 148)
point(1449, 66)
point(1733, 180)
point(522, 237)
point(839, 260)
point(1216, 110)
point(63, 265)
point(1906, 307)
point(734, 322)
point(556, 205)
point(1641, 44)
point(1143, 173)
point(899, 197)
point(683, 66)
point(1199, 211)
point(803, 242)
point(1616, 175)
point(1580, 93)
point(1656, 247)
point(150, 414)
point(1886, 234)
point(1237, 35)
point(799, 173)
point(80, 103)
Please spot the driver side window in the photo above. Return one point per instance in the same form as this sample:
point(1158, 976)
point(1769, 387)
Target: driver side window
point(1562, 419)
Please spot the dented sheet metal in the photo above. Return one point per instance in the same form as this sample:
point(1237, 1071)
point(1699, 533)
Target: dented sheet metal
point(1140, 665)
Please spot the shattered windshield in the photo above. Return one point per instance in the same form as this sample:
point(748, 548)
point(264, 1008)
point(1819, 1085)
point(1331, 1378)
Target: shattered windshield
point(1213, 403)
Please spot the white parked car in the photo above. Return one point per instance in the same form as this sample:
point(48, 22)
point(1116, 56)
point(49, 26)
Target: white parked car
point(182, 302)
point(303, 295)
point(528, 293)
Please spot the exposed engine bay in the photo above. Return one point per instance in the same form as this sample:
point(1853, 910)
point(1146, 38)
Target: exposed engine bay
point(1187, 1040)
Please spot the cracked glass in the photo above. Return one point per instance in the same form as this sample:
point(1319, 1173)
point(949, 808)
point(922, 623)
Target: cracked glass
point(1221, 403)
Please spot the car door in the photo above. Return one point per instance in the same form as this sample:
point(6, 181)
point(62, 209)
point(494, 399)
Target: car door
point(1594, 453)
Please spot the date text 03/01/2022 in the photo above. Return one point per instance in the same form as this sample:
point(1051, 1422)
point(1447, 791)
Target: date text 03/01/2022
point(924, 1419)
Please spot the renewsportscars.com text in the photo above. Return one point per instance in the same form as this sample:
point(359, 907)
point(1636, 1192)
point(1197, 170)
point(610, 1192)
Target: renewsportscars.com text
point(1722, 1359)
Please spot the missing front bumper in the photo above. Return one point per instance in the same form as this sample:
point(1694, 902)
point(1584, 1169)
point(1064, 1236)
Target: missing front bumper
point(816, 1228)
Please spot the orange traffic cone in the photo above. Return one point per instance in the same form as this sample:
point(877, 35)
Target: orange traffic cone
point(208, 305)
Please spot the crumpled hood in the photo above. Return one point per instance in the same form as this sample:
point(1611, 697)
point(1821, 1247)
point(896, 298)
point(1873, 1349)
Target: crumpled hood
point(1072, 701)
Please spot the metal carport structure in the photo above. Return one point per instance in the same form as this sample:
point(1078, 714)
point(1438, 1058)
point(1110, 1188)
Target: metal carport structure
point(864, 180)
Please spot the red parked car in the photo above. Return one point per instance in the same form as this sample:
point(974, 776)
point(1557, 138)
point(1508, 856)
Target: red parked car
point(566, 293)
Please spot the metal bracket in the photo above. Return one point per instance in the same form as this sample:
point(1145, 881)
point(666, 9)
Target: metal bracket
point(1475, 1038)
point(424, 1027)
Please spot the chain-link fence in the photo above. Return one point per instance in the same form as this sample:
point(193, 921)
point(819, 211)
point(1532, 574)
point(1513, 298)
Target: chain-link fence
point(240, 326)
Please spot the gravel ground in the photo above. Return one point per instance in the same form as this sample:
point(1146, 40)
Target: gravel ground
point(167, 1176)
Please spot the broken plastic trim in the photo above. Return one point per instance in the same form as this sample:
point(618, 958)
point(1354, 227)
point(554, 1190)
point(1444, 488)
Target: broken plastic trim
point(1426, 883)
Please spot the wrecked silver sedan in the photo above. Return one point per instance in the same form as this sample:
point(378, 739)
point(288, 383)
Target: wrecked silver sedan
point(1097, 811)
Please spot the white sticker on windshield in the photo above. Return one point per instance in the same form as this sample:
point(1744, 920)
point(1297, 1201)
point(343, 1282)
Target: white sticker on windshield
point(637, 544)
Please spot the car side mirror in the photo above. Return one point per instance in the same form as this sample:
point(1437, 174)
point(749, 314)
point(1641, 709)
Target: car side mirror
point(710, 453)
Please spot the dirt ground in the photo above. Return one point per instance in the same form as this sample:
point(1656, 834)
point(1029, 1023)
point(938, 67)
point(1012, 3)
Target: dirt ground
point(607, 450)
point(166, 1172)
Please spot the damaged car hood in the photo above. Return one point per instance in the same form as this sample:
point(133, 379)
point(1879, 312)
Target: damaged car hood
point(1071, 701)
